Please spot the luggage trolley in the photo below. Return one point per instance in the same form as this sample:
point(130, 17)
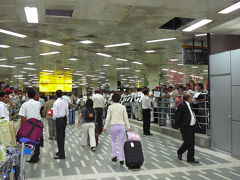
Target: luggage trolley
point(27, 149)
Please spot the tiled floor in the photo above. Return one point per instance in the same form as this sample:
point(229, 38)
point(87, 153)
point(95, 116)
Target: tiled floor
point(160, 161)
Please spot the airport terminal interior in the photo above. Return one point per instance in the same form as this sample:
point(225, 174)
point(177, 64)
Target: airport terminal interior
point(171, 48)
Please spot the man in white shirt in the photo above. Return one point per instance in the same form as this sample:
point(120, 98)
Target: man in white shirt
point(66, 99)
point(98, 105)
point(146, 106)
point(28, 110)
point(60, 113)
point(185, 122)
point(4, 100)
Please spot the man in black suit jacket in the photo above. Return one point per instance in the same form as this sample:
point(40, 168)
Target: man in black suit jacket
point(185, 122)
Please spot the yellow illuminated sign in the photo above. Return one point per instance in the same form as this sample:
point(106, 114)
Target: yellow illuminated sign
point(51, 82)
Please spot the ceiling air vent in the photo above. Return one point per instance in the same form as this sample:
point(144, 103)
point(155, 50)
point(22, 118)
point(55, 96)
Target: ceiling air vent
point(176, 23)
point(59, 12)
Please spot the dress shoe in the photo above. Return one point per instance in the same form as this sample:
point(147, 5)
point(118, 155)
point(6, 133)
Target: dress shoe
point(122, 162)
point(179, 156)
point(114, 159)
point(59, 157)
point(194, 161)
point(57, 154)
point(32, 161)
point(148, 134)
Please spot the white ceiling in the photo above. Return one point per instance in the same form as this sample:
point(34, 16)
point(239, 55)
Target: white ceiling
point(106, 22)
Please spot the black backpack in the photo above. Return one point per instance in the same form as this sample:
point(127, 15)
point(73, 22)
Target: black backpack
point(89, 115)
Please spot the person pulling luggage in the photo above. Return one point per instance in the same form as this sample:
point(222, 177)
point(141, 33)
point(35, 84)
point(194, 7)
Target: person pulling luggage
point(118, 118)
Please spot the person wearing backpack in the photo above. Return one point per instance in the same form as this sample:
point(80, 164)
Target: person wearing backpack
point(86, 120)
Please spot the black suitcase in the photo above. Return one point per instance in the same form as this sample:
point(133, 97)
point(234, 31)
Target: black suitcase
point(133, 154)
point(71, 116)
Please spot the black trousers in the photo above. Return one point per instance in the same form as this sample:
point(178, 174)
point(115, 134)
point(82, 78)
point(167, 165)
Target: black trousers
point(188, 135)
point(35, 156)
point(61, 124)
point(99, 119)
point(146, 121)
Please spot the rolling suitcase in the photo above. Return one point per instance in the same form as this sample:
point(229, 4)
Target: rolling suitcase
point(133, 154)
point(71, 116)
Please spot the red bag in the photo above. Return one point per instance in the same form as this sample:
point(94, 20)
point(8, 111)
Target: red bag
point(50, 113)
point(31, 129)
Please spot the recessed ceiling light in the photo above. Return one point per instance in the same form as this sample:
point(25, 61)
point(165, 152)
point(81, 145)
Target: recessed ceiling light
point(180, 64)
point(31, 14)
point(165, 69)
point(12, 33)
point(173, 60)
point(120, 59)
point(102, 54)
point(22, 57)
point(51, 42)
point(7, 66)
point(159, 40)
point(230, 8)
point(86, 42)
point(4, 46)
point(122, 68)
point(3, 59)
point(116, 45)
point(194, 67)
point(31, 69)
point(49, 53)
point(135, 62)
point(31, 64)
point(197, 25)
point(150, 51)
point(200, 35)
point(73, 59)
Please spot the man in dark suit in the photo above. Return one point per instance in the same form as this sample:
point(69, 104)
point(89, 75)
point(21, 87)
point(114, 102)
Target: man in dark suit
point(185, 122)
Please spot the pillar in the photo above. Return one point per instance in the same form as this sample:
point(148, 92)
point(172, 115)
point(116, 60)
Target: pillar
point(153, 76)
point(114, 81)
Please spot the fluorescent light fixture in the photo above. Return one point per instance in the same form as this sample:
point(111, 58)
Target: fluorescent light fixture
point(18, 76)
point(205, 70)
point(150, 51)
point(230, 8)
point(197, 25)
point(180, 73)
point(173, 71)
point(7, 66)
point(3, 59)
point(200, 35)
point(160, 40)
point(77, 74)
point(124, 79)
point(166, 75)
point(49, 53)
point(165, 69)
point(173, 60)
point(120, 59)
point(180, 64)
point(31, 14)
point(90, 75)
point(22, 57)
point(4, 46)
point(194, 67)
point(135, 62)
point(45, 70)
point(102, 54)
point(12, 33)
point(106, 65)
point(73, 59)
point(122, 68)
point(102, 77)
point(66, 68)
point(86, 42)
point(31, 64)
point(137, 70)
point(32, 75)
point(31, 69)
point(116, 45)
point(50, 42)
point(102, 73)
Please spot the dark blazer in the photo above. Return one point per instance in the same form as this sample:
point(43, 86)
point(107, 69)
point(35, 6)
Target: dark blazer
point(182, 116)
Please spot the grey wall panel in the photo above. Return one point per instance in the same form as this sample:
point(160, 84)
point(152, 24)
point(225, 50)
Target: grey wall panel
point(220, 109)
point(235, 138)
point(236, 103)
point(220, 63)
point(235, 67)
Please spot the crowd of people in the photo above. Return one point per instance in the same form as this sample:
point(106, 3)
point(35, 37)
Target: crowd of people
point(144, 103)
